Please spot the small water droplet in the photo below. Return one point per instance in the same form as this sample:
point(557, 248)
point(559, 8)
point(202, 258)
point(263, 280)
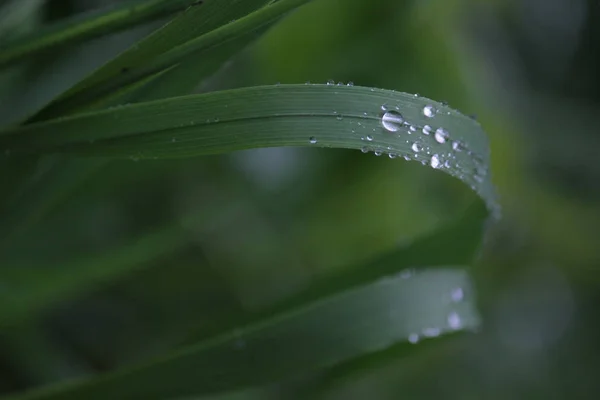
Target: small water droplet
point(392, 121)
point(377, 153)
point(216, 119)
point(457, 295)
point(456, 146)
point(384, 107)
point(365, 114)
point(447, 164)
point(364, 149)
point(173, 140)
point(426, 130)
point(369, 138)
point(392, 155)
point(330, 82)
point(340, 117)
point(413, 338)
point(415, 147)
point(412, 128)
point(350, 83)
point(407, 158)
point(431, 332)
point(435, 161)
point(307, 83)
point(340, 83)
point(429, 111)
point(441, 135)
point(454, 321)
point(312, 140)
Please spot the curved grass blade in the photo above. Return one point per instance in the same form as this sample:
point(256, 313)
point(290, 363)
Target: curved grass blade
point(88, 26)
point(270, 116)
point(317, 335)
point(160, 51)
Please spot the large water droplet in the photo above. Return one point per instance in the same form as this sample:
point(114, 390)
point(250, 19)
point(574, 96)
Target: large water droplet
point(312, 140)
point(429, 111)
point(392, 121)
point(441, 135)
point(435, 161)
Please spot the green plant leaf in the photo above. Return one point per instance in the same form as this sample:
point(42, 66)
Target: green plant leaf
point(89, 25)
point(318, 335)
point(199, 32)
point(270, 116)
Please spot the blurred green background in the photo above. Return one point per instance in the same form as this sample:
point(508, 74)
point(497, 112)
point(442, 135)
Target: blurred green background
point(236, 233)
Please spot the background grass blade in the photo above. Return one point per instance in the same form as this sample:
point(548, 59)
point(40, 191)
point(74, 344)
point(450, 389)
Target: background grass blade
point(88, 26)
point(197, 31)
point(367, 319)
point(287, 115)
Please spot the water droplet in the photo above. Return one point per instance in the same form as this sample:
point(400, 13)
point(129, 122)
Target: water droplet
point(412, 128)
point(365, 114)
point(413, 338)
point(441, 135)
point(340, 117)
point(407, 158)
point(216, 119)
point(277, 83)
point(330, 82)
point(431, 332)
point(364, 149)
point(457, 295)
point(377, 153)
point(307, 83)
point(312, 140)
point(405, 274)
point(384, 107)
point(350, 83)
point(426, 130)
point(392, 155)
point(454, 321)
point(415, 147)
point(369, 138)
point(457, 146)
point(340, 83)
point(435, 161)
point(447, 164)
point(429, 111)
point(392, 121)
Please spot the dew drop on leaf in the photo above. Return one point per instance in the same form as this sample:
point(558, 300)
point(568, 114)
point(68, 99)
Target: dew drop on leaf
point(454, 321)
point(312, 140)
point(413, 338)
point(435, 161)
point(429, 111)
point(392, 121)
point(377, 153)
point(441, 135)
point(369, 138)
point(415, 147)
point(426, 130)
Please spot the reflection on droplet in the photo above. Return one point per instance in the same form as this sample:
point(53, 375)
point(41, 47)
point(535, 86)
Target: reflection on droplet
point(392, 121)
point(413, 338)
point(454, 321)
point(429, 111)
point(435, 161)
point(441, 135)
point(312, 140)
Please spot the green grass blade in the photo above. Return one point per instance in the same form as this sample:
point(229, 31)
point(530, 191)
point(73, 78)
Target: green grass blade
point(317, 335)
point(270, 116)
point(215, 32)
point(195, 32)
point(88, 26)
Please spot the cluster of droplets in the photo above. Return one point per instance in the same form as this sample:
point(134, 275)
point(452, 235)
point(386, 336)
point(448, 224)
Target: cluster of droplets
point(453, 320)
point(441, 153)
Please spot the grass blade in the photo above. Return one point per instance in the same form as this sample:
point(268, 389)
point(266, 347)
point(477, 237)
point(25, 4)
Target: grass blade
point(270, 116)
point(88, 26)
point(195, 32)
point(367, 319)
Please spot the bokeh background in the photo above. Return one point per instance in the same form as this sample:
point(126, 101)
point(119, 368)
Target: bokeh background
point(229, 235)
